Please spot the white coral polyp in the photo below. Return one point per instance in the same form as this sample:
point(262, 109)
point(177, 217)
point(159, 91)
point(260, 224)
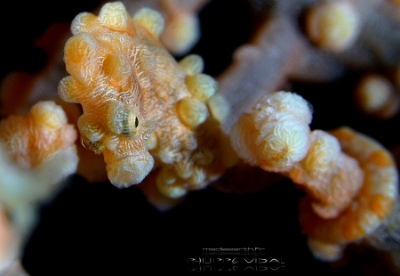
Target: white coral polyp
point(276, 135)
point(282, 120)
point(283, 102)
point(282, 143)
point(324, 150)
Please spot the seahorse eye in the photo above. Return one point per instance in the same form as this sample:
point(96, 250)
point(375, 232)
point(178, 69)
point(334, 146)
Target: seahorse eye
point(136, 122)
point(130, 123)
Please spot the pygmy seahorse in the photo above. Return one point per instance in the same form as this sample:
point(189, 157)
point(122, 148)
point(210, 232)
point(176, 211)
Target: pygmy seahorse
point(141, 108)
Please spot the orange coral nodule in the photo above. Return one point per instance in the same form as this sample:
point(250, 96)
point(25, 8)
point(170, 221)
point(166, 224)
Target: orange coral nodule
point(192, 112)
point(192, 64)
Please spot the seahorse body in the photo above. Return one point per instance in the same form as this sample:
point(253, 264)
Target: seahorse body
point(136, 97)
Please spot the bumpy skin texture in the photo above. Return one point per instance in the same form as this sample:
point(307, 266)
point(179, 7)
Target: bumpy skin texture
point(141, 108)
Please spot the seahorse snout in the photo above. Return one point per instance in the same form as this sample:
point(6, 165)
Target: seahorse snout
point(130, 170)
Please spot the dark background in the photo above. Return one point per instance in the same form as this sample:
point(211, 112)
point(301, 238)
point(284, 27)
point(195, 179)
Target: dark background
point(92, 229)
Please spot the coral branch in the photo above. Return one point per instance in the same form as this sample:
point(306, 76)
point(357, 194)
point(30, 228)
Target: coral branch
point(276, 137)
point(369, 208)
point(330, 177)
